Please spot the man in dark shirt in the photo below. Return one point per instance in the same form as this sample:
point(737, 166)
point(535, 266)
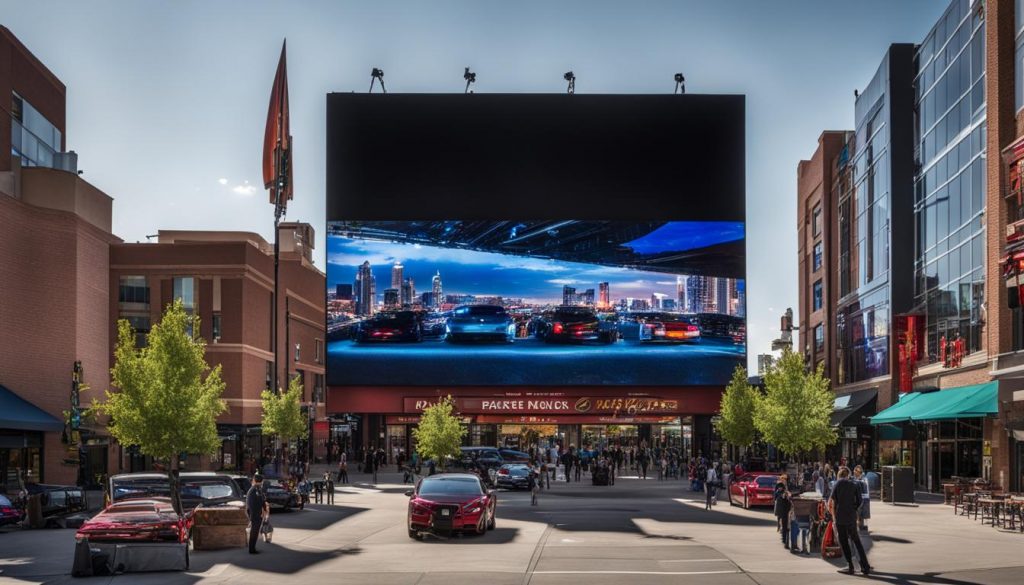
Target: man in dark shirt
point(844, 503)
point(255, 507)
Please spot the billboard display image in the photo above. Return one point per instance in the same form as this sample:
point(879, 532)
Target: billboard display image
point(533, 241)
point(550, 302)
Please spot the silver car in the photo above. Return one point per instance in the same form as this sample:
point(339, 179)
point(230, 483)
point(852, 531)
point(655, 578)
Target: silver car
point(480, 322)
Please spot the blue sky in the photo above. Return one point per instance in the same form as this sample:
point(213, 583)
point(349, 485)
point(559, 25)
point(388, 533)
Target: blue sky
point(167, 100)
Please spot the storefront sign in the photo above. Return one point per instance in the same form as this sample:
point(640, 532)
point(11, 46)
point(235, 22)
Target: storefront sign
point(850, 432)
point(536, 406)
point(405, 419)
point(575, 419)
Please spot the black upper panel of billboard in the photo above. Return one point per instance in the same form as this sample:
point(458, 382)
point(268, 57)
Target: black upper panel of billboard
point(534, 156)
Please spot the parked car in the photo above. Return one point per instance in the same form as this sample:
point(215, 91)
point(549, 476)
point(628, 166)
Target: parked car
point(486, 457)
point(58, 502)
point(9, 514)
point(480, 322)
point(198, 488)
point(753, 489)
point(450, 502)
point(574, 324)
point(149, 527)
point(280, 494)
point(660, 327)
point(513, 476)
point(391, 326)
point(513, 456)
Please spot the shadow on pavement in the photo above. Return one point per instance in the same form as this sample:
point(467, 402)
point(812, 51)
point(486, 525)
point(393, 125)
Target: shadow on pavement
point(497, 536)
point(314, 517)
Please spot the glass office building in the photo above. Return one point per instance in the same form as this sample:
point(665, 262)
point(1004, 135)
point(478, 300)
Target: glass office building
point(873, 193)
point(949, 191)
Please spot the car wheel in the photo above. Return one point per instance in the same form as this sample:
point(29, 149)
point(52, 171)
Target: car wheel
point(188, 559)
point(746, 502)
point(481, 526)
point(492, 523)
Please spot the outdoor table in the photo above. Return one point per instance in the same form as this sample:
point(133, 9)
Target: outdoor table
point(1013, 507)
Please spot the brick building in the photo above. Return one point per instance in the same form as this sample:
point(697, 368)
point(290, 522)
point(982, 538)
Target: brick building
point(53, 286)
point(227, 279)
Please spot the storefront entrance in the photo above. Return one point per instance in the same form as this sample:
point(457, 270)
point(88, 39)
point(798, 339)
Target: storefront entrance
point(20, 457)
point(952, 449)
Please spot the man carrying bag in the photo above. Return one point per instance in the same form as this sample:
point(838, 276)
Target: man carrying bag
point(256, 508)
point(845, 503)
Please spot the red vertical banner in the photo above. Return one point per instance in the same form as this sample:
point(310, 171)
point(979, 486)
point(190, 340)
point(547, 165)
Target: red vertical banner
point(909, 330)
point(277, 135)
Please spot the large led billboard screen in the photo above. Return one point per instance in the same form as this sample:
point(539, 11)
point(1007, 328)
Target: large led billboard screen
point(535, 240)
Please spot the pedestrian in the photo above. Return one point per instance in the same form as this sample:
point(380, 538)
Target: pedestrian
point(370, 465)
point(642, 460)
point(343, 468)
point(256, 508)
point(844, 504)
point(578, 464)
point(329, 488)
point(780, 495)
point(711, 487)
point(865, 491)
point(533, 482)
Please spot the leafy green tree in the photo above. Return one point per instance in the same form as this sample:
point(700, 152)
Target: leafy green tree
point(168, 398)
point(795, 412)
point(282, 412)
point(736, 421)
point(440, 432)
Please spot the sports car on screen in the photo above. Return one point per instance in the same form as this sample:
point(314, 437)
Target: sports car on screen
point(480, 322)
point(391, 326)
point(574, 324)
point(661, 327)
point(451, 502)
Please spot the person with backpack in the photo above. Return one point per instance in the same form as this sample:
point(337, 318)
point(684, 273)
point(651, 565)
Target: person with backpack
point(532, 483)
point(711, 485)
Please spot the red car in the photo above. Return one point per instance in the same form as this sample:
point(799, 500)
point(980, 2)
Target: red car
point(139, 524)
point(451, 502)
point(753, 489)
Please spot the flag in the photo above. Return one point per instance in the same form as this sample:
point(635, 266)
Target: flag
point(278, 133)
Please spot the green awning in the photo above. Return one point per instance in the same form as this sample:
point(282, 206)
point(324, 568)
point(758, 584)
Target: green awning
point(963, 402)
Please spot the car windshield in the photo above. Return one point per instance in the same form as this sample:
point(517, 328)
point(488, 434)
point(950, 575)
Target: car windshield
point(767, 481)
point(399, 317)
point(208, 490)
point(128, 488)
point(482, 311)
point(570, 316)
point(4, 501)
point(519, 470)
point(450, 486)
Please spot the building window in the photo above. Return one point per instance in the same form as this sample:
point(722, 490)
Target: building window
point(318, 388)
point(817, 296)
point(318, 351)
point(816, 221)
point(133, 289)
point(184, 289)
point(140, 324)
point(298, 352)
point(817, 257)
point(17, 108)
point(216, 327)
point(270, 376)
point(819, 338)
point(33, 138)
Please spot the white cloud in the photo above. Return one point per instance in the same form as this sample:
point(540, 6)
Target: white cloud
point(222, 181)
point(245, 190)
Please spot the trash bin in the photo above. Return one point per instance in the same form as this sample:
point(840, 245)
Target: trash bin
point(897, 484)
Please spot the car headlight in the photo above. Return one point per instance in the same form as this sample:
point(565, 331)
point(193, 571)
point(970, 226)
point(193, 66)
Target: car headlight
point(472, 510)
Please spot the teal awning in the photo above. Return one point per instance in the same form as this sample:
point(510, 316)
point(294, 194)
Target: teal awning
point(18, 414)
point(963, 402)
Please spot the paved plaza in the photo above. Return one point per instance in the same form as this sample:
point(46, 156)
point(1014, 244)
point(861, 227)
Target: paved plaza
point(635, 532)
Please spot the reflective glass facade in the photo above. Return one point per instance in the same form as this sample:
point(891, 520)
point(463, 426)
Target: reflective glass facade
point(33, 138)
point(949, 190)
